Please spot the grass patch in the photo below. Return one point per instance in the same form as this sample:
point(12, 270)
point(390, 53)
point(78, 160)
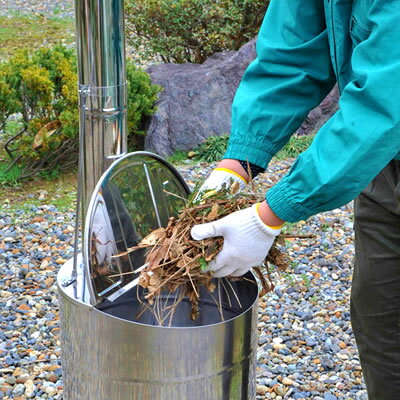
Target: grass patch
point(65, 202)
point(215, 146)
point(177, 157)
point(22, 32)
point(212, 149)
point(295, 146)
point(9, 177)
point(61, 193)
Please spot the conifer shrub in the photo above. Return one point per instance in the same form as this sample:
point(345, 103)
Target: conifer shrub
point(142, 96)
point(39, 91)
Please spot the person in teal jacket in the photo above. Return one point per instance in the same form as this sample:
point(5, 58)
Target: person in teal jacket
point(303, 49)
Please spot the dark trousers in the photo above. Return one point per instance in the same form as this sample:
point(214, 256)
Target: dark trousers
point(375, 296)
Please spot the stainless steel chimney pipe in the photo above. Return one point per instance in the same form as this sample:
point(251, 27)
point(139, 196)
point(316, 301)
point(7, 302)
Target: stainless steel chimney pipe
point(102, 85)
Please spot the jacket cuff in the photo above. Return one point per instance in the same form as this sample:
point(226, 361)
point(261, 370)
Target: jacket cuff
point(248, 153)
point(283, 204)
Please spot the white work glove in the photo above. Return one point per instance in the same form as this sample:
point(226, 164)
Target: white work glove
point(102, 232)
point(247, 241)
point(218, 178)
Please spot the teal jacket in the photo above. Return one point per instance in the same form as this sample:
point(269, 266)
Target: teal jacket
point(303, 49)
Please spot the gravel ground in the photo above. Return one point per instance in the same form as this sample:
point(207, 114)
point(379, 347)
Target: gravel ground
point(306, 346)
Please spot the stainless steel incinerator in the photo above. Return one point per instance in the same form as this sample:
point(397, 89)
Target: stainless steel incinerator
point(113, 346)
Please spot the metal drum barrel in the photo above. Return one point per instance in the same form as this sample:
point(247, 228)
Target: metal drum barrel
point(109, 355)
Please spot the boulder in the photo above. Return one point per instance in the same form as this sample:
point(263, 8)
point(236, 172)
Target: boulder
point(197, 98)
point(317, 117)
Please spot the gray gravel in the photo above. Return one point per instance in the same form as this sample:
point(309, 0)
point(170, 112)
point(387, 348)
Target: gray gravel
point(306, 346)
point(34, 241)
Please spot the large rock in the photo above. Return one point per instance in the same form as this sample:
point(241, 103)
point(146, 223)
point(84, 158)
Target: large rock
point(197, 98)
point(317, 117)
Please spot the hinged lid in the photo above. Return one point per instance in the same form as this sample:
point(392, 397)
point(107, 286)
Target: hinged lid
point(137, 194)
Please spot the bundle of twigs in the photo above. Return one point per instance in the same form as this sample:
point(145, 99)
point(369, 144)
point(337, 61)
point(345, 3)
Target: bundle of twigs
point(175, 261)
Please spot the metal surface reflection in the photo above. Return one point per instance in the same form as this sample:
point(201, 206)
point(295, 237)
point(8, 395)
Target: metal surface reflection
point(102, 78)
point(136, 195)
point(108, 356)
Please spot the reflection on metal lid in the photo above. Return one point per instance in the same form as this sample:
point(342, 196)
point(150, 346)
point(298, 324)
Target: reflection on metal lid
point(137, 194)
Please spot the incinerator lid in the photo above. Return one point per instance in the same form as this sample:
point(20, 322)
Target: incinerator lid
point(137, 194)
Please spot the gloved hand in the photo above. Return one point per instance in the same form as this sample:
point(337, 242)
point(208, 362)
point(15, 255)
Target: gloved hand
point(102, 233)
point(220, 177)
point(247, 241)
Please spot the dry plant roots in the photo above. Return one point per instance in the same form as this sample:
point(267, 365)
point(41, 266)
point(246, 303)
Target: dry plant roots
point(175, 261)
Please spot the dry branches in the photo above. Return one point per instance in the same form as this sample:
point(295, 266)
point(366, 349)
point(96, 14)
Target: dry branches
point(176, 261)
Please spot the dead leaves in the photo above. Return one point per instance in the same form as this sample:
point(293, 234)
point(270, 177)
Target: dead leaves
point(174, 260)
point(213, 249)
point(45, 132)
point(154, 237)
point(158, 253)
point(212, 216)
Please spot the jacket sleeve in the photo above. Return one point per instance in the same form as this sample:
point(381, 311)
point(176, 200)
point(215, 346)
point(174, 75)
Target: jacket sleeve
point(290, 76)
point(361, 138)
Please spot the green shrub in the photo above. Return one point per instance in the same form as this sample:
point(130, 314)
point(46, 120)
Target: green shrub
point(191, 30)
point(44, 95)
point(212, 149)
point(9, 176)
point(41, 88)
point(8, 104)
point(295, 146)
point(178, 157)
point(142, 95)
